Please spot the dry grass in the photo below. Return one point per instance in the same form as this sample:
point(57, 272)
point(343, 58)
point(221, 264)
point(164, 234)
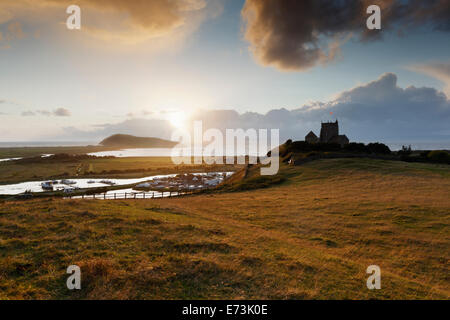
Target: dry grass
point(311, 237)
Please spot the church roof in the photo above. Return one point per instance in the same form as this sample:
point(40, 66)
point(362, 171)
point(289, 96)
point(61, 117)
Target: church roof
point(311, 134)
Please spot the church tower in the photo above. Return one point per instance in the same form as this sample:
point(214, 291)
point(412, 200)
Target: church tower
point(328, 131)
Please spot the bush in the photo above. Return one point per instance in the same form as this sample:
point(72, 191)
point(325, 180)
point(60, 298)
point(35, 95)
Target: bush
point(312, 154)
point(303, 146)
point(406, 151)
point(440, 156)
point(378, 148)
point(286, 157)
point(356, 147)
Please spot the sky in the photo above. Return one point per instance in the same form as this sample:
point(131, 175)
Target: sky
point(148, 67)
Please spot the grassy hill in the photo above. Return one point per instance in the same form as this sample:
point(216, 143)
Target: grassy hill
point(129, 141)
point(309, 235)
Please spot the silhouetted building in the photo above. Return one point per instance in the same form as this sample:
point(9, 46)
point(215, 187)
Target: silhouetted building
point(340, 139)
point(311, 137)
point(329, 133)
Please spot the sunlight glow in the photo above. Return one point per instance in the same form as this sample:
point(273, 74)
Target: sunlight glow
point(177, 119)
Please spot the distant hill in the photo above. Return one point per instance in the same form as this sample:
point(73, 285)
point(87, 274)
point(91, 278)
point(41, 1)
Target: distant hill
point(129, 141)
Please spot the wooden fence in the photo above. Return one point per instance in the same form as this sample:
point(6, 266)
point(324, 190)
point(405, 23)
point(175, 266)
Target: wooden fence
point(132, 195)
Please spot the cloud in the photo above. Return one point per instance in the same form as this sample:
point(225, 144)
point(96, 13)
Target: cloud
point(156, 16)
point(5, 15)
point(15, 31)
point(138, 21)
point(379, 110)
point(142, 112)
point(9, 102)
point(124, 21)
point(12, 31)
point(298, 35)
point(62, 112)
point(44, 112)
point(438, 70)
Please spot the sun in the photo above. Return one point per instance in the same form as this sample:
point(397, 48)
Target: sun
point(177, 119)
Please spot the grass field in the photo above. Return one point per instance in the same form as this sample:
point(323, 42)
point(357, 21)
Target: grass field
point(309, 235)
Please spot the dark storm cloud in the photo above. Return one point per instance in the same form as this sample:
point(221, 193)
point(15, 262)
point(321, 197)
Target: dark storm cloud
point(297, 35)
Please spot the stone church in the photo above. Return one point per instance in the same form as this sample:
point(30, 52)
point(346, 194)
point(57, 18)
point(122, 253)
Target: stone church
point(329, 133)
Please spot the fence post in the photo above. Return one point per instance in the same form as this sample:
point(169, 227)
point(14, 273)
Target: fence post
point(94, 196)
point(135, 195)
point(104, 196)
point(125, 195)
point(114, 196)
point(144, 195)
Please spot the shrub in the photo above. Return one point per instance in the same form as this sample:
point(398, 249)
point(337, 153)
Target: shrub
point(312, 154)
point(406, 151)
point(378, 148)
point(440, 156)
point(286, 157)
point(356, 147)
point(303, 146)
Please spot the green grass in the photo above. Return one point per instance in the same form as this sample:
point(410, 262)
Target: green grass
point(311, 236)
